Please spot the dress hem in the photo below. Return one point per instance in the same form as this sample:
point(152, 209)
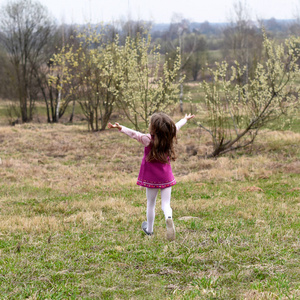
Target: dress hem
point(156, 186)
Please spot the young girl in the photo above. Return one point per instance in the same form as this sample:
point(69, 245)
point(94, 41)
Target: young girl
point(155, 172)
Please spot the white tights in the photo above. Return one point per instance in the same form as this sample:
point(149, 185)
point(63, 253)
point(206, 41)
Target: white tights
point(165, 205)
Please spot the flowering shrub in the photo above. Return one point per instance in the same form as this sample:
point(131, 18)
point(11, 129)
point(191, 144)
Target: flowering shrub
point(236, 111)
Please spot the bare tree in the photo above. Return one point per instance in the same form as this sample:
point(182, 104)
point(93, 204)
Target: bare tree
point(6, 72)
point(294, 27)
point(196, 45)
point(242, 39)
point(26, 27)
point(134, 28)
point(181, 27)
point(189, 43)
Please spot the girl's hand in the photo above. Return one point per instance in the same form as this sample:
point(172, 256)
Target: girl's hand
point(189, 116)
point(116, 125)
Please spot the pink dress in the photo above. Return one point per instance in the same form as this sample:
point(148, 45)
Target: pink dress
point(153, 174)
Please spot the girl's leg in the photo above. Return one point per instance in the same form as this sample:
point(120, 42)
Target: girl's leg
point(151, 200)
point(165, 205)
point(166, 202)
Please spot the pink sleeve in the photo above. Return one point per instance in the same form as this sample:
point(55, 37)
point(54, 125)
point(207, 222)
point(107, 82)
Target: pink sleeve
point(180, 123)
point(140, 137)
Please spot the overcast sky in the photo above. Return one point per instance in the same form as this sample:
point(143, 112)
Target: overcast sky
point(162, 11)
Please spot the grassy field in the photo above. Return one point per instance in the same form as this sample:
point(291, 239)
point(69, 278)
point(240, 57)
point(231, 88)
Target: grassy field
point(71, 214)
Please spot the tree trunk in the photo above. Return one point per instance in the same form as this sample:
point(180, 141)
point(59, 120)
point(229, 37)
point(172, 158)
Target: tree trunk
point(181, 95)
point(91, 120)
point(73, 112)
point(58, 105)
point(23, 106)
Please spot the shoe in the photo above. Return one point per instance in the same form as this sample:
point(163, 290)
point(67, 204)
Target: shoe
point(170, 229)
point(144, 227)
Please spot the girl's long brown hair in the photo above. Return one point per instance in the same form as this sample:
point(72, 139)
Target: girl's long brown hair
point(163, 130)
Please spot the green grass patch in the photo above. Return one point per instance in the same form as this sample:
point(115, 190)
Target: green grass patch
point(236, 241)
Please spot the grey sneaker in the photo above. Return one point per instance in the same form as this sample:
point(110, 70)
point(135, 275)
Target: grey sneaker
point(170, 229)
point(144, 227)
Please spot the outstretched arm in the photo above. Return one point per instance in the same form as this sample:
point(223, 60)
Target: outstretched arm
point(140, 137)
point(183, 121)
point(189, 116)
point(116, 125)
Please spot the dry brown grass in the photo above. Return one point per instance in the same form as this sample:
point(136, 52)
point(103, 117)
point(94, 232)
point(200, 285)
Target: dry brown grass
point(68, 158)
